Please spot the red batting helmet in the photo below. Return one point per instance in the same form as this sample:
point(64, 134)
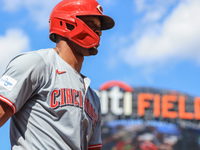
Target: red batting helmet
point(64, 21)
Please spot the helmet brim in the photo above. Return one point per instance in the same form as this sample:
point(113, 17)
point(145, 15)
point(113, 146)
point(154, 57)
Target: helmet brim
point(106, 21)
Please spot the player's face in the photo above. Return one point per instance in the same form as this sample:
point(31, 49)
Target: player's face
point(95, 24)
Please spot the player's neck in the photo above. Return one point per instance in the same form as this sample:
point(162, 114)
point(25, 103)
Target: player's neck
point(73, 59)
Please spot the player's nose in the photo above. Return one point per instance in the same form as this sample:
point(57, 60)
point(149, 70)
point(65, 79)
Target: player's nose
point(98, 32)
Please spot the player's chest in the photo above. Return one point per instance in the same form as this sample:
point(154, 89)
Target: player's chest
point(67, 93)
point(66, 89)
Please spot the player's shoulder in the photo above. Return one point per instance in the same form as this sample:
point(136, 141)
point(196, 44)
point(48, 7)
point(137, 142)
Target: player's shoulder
point(45, 52)
point(31, 59)
point(47, 55)
point(36, 56)
point(25, 58)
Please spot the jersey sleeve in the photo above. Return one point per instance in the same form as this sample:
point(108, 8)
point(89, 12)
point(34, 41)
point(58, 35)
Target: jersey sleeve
point(95, 141)
point(23, 76)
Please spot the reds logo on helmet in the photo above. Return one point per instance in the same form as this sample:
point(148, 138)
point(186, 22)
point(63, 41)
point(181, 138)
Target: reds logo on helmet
point(64, 21)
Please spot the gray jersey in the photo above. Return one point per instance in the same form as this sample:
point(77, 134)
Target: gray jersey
point(51, 108)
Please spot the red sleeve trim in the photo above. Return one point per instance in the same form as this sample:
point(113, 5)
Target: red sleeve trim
point(94, 146)
point(7, 101)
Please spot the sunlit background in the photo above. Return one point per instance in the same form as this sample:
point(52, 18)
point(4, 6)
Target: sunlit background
point(155, 43)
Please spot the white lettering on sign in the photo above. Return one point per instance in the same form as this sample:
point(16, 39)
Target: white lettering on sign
point(127, 103)
point(116, 95)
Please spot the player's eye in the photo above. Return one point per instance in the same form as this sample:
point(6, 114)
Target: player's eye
point(91, 21)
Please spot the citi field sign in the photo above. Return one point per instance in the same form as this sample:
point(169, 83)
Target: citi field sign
point(121, 101)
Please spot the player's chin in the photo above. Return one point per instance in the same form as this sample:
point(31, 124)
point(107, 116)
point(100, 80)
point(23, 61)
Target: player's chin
point(93, 51)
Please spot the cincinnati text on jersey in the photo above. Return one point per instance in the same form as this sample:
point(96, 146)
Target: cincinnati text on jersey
point(72, 97)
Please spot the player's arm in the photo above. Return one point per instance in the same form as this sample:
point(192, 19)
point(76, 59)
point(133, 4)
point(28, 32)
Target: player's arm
point(5, 113)
point(95, 142)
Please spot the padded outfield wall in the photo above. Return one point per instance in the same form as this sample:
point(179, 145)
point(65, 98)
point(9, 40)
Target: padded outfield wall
point(141, 118)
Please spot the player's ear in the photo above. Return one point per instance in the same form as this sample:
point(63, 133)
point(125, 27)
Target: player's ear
point(58, 38)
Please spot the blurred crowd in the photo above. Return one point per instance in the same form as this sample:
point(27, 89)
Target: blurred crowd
point(141, 137)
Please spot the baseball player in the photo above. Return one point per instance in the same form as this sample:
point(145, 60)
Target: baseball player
point(50, 102)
